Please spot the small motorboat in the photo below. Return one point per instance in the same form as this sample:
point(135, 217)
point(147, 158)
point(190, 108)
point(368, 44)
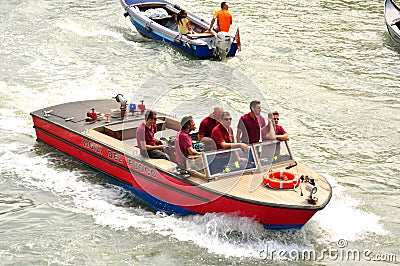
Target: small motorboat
point(392, 18)
point(268, 186)
point(158, 20)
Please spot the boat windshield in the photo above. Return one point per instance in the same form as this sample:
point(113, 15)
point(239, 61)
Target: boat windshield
point(215, 164)
point(272, 153)
point(226, 162)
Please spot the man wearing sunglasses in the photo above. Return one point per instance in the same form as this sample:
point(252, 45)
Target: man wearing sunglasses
point(222, 134)
point(149, 145)
point(280, 133)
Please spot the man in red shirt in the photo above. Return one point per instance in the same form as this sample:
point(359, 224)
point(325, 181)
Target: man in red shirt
point(222, 134)
point(223, 17)
point(280, 133)
point(248, 129)
point(183, 142)
point(208, 123)
point(149, 145)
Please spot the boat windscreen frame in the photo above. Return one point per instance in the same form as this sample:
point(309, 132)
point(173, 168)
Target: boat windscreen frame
point(212, 159)
point(273, 160)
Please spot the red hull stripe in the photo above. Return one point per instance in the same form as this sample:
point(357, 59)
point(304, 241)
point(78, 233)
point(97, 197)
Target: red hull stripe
point(121, 167)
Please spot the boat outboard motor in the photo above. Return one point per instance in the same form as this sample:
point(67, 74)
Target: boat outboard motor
point(120, 98)
point(224, 42)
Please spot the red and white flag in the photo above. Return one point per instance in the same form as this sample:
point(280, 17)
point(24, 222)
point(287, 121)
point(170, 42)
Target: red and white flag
point(237, 38)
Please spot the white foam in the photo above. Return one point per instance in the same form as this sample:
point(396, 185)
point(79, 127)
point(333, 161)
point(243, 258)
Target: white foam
point(81, 31)
point(342, 219)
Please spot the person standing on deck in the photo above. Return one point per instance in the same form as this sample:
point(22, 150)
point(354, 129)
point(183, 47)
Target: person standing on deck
point(250, 124)
point(223, 17)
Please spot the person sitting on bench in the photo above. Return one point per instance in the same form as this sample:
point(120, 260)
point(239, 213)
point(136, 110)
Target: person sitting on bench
point(184, 23)
point(183, 142)
point(149, 145)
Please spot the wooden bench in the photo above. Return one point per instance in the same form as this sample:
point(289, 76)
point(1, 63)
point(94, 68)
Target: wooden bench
point(126, 130)
point(200, 35)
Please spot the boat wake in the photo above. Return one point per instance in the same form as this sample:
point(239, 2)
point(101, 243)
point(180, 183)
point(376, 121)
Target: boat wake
point(77, 189)
point(342, 219)
point(79, 30)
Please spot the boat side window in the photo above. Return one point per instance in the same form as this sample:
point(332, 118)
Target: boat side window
point(226, 162)
point(272, 152)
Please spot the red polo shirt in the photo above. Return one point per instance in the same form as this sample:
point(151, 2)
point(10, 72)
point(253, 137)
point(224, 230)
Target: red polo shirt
point(144, 133)
point(221, 134)
point(207, 125)
point(182, 142)
point(278, 131)
point(250, 126)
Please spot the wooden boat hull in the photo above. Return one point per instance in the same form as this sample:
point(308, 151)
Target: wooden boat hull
point(162, 190)
point(392, 19)
point(197, 47)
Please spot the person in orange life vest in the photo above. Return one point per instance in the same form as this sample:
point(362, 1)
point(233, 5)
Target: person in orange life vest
point(223, 17)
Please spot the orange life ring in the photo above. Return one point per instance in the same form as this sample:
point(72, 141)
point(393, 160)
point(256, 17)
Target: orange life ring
point(281, 180)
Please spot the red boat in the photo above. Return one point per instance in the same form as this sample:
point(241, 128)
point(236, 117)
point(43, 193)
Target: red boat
point(101, 134)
